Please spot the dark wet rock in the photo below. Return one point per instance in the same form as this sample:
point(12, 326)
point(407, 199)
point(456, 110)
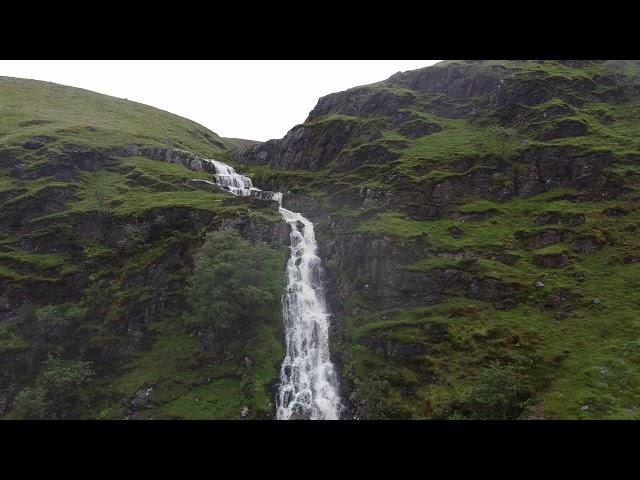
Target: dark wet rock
point(556, 218)
point(394, 349)
point(30, 123)
point(372, 193)
point(473, 217)
point(615, 212)
point(583, 245)
point(555, 111)
point(471, 87)
point(457, 81)
point(256, 202)
point(202, 184)
point(8, 158)
point(32, 145)
point(377, 134)
point(142, 398)
point(435, 332)
point(170, 155)
point(4, 404)
point(564, 129)
point(419, 128)
point(49, 199)
point(299, 416)
point(208, 341)
point(541, 239)
point(606, 119)
point(370, 154)
point(575, 220)
point(20, 172)
point(63, 167)
point(561, 301)
point(455, 232)
point(410, 390)
point(273, 234)
point(44, 139)
point(309, 147)
point(480, 288)
point(85, 158)
point(506, 258)
point(553, 167)
point(551, 260)
point(362, 101)
point(377, 273)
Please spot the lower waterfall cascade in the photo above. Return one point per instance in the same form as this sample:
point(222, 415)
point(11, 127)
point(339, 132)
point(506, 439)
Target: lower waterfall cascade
point(308, 379)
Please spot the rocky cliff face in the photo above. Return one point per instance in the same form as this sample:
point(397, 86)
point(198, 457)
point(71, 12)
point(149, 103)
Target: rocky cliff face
point(460, 213)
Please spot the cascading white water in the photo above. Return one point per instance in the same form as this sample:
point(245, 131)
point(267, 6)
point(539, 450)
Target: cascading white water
point(308, 383)
point(308, 380)
point(227, 177)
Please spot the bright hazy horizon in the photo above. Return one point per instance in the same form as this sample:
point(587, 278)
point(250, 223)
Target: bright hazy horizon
point(251, 99)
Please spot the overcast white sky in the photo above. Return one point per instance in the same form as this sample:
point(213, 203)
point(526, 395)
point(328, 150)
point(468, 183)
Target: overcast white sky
point(253, 99)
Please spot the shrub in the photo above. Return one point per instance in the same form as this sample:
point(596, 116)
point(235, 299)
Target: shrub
point(57, 391)
point(233, 281)
point(497, 395)
point(134, 235)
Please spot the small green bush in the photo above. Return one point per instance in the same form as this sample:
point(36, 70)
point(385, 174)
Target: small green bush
point(57, 391)
point(233, 281)
point(497, 395)
point(134, 236)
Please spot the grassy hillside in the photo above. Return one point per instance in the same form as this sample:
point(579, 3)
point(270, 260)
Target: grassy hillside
point(32, 108)
point(95, 252)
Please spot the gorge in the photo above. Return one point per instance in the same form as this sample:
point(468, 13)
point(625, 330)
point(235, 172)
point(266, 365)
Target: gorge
point(466, 248)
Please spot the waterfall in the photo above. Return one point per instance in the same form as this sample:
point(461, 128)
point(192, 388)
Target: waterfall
point(227, 177)
point(308, 383)
point(308, 380)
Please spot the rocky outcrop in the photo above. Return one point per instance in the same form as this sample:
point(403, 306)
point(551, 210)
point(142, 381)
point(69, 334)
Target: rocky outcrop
point(551, 260)
point(419, 128)
point(564, 129)
point(459, 81)
point(32, 145)
point(551, 167)
point(170, 155)
point(17, 212)
point(371, 267)
point(362, 101)
point(369, 154)
point(310, 147)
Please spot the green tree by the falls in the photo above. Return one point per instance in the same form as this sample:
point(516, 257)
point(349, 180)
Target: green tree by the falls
point(233, 281)
point(497, 394)
point(57, 392)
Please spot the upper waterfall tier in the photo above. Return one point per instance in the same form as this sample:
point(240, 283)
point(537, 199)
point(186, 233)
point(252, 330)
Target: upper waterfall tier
point(240, 185)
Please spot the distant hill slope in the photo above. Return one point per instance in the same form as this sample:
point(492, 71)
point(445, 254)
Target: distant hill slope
point(32, 108)
point(478, 221)
point(241, 142)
